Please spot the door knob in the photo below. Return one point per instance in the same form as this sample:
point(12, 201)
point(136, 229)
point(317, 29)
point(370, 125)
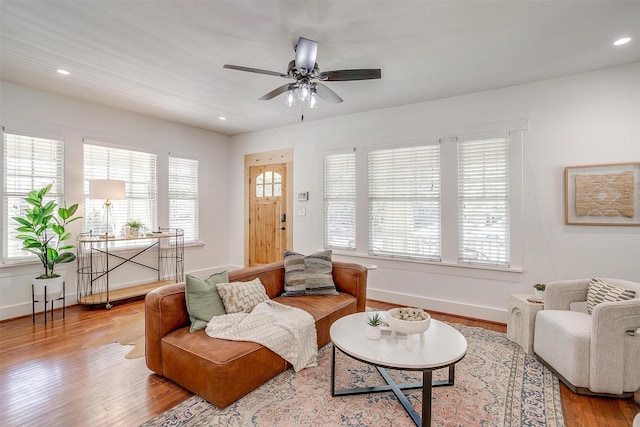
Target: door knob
point(282, 228)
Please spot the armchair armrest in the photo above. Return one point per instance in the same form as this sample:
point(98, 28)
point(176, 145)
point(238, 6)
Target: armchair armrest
point(561, 293)
point(614, 353)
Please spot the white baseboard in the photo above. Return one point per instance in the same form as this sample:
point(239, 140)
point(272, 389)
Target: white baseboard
point(451, 307)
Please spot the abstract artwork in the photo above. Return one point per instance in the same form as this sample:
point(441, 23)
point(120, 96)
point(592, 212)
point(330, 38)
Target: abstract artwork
point(603, 194)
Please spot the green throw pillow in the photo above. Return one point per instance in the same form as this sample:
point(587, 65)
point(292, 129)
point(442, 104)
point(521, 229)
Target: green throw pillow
point(203, 300)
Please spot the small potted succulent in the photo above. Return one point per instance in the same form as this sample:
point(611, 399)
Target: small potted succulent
point(373, 331)
point(539, 290)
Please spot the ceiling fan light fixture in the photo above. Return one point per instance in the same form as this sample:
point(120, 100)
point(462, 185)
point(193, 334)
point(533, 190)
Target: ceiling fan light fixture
point(303, 92)
point(290, 98)
point(313, 98)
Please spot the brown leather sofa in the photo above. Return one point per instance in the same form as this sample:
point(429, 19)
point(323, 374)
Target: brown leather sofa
point(223, 371)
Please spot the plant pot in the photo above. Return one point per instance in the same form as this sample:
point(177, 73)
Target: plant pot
point(54, 288)
point(131, 232)
point(539, 294)
point(373, 332)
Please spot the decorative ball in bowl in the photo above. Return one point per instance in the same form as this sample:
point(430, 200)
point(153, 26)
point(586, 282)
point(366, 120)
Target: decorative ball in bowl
point(408, 320)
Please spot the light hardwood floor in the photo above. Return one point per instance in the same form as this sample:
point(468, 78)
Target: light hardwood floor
point(48, 378)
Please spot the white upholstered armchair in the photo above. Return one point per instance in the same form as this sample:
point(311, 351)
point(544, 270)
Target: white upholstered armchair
point(597, 353)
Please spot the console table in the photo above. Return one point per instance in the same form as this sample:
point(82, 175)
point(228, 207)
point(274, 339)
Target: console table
point(99, 255)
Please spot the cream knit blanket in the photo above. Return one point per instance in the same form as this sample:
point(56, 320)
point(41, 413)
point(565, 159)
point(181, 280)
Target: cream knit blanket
point(287, 331)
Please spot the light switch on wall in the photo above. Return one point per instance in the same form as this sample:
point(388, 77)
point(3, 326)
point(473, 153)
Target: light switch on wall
point(302, 212)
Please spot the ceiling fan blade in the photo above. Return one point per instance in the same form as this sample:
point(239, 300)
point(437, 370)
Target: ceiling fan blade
point(275, 92)
point(327, 94)
point(254, 70)
point(346, 75)
point(306, 52)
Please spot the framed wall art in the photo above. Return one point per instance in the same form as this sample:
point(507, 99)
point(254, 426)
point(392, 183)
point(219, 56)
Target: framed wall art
point(606, 194)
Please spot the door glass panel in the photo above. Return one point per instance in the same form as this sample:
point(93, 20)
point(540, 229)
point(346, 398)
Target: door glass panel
point(268, 190)
point(259, 190)
point(277, 190)
point(260, 179)
point(267, 177)
point(277, 177)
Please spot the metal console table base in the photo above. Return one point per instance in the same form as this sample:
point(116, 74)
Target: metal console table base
point(426, 385)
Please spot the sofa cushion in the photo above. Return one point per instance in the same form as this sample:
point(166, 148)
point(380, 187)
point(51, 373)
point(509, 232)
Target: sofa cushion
point(308, 275)
point(242, 296)
point(325, 310)
point(600, 291)
point(221, 371)
point(202, 299)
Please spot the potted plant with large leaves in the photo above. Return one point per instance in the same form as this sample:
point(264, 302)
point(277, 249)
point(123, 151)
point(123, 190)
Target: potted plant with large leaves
point(43, 232)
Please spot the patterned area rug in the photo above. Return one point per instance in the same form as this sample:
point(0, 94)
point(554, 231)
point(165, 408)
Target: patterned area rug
point(496, 384)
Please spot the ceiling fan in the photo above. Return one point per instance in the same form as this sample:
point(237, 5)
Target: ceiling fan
point(307, 76)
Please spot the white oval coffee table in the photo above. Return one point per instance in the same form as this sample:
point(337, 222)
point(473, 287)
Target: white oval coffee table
point(442, 347)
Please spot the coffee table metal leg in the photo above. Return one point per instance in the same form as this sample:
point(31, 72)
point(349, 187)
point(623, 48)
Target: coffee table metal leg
point(403, 399)
point(333, 371)
point(427, 378)
point(426, 385)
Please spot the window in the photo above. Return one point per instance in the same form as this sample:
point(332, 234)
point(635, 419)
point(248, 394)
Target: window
point(404, 202)
point(269, 184)
point(29, 164)
point(339, 173)
point(183, 196)
point(137, 169)
point(483, 201)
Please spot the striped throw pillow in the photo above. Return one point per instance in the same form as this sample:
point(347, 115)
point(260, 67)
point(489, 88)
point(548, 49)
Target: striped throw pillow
point(600, 291)
point(308, 275)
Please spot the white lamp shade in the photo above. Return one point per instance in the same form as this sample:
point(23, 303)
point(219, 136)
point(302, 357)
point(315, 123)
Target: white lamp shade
point(111, 189)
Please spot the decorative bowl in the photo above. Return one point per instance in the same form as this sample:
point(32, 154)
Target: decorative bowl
point(408, 326)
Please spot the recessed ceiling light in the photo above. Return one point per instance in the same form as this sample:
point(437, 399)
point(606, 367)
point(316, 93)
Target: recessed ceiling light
point(222, 118)
point(63, 72)
point(622, 41)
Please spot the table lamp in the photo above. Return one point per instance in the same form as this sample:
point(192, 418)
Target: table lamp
point(107, 189)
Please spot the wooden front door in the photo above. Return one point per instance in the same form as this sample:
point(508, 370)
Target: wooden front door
point(267, 213)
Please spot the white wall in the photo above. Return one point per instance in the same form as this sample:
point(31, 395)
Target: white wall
point(585, 119)
point(36, 113)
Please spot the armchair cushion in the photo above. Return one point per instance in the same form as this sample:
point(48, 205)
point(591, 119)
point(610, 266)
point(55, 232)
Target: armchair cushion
point(600, 291)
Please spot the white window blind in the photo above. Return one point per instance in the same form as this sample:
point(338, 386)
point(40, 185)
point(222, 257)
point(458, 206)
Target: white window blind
point(29, 164)
point(483, 201)
point(137, 169)
point(339, 173)
point(404, 202)
point(183, 196)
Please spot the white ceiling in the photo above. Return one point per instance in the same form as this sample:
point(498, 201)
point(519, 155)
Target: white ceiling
point(165, 58)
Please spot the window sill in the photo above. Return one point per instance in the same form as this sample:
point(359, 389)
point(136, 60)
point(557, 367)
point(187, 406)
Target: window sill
point(381, 261)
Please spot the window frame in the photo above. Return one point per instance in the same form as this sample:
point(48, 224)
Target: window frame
point(484, 152)
point(350, 199)
point(410, 197)
point(57, 193)
point(112, 171)
point(189, 237)
point(516, 131)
